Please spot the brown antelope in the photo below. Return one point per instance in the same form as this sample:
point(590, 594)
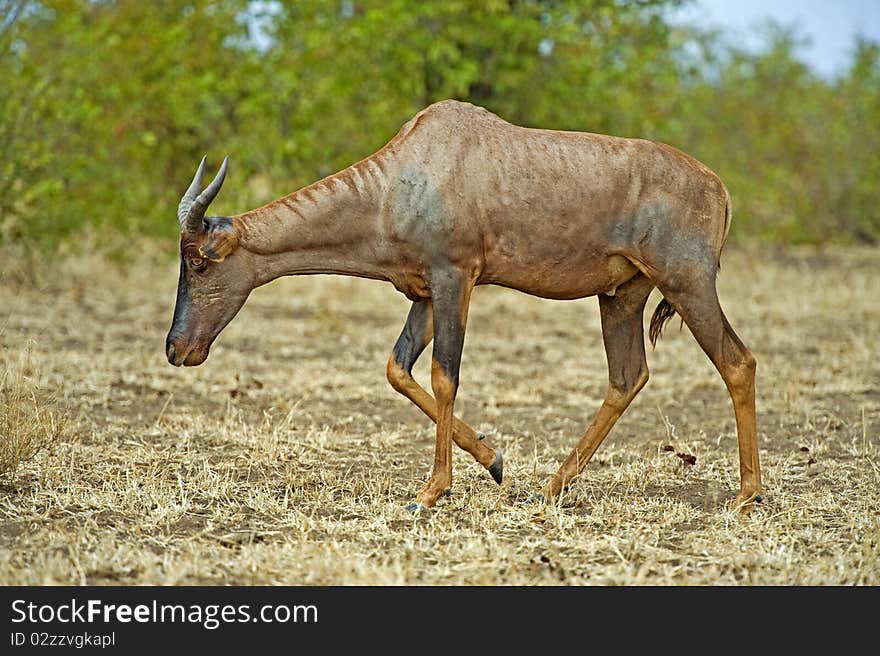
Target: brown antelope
point(458, 198)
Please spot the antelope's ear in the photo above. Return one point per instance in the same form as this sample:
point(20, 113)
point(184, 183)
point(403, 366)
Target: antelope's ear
point(222, 238)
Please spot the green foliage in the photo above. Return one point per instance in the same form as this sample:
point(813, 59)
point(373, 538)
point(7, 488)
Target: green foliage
point(800, 154)
point(106, 106)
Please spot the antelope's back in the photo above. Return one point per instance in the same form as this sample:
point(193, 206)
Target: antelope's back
point(547, 204)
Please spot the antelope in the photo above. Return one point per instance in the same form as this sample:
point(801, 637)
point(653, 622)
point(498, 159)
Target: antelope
point(459, 198)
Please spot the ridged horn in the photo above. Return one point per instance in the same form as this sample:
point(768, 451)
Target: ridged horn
point(193, 204)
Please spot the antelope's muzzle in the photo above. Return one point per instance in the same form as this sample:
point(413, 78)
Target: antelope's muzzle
point(187, 356)
point(171, 352)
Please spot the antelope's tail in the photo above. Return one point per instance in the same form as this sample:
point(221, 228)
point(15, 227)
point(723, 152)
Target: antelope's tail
point(728, 215)
point(662, 314)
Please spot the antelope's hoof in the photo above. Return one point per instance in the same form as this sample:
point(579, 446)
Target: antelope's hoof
point(416, 508)
point(497, 468)
point(447, 492)
point(745, 504)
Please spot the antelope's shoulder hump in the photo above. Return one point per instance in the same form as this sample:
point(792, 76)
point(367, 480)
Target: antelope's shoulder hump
point(447, 117)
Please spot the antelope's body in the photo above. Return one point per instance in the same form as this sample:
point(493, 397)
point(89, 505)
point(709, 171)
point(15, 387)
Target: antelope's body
point(460, 198)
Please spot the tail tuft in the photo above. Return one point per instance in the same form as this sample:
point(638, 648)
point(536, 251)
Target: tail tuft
point(662, 314)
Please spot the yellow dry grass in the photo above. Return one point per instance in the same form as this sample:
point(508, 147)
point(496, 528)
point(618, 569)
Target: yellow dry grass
point(29, 418)
point(287, 459)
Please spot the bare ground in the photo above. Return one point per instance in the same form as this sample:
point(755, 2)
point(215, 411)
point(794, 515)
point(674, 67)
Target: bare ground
point(287, 459)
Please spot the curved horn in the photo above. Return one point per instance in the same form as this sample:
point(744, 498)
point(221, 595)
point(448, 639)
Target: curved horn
point(197, 210)
point(190, 195)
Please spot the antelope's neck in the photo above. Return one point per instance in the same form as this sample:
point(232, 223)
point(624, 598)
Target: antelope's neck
point(331, 226)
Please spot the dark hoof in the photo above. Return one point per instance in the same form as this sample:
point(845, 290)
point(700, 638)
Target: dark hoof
point(416, 508)
point(497, 468)
point(759, 499)
point(535, 500)
point(447, 492)
point(481, 437)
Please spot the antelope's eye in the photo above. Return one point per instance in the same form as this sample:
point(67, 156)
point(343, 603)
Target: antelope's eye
point(197, 262)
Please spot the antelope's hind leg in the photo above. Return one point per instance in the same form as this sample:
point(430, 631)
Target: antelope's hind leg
point(700, 309)
point(624, 338)
point(417, 333)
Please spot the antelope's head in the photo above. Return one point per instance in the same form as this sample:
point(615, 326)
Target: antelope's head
point(215, 275)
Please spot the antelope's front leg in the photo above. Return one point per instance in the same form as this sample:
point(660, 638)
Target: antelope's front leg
point(451, 295)
point(416, 335)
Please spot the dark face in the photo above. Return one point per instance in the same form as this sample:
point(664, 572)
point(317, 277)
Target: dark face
point(210, 292)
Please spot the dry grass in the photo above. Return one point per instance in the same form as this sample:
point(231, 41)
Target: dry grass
point(287, 459)
point(30, 420)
